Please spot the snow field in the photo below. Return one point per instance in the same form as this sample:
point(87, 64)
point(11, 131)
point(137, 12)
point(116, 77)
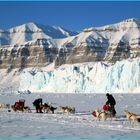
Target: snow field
point(79, 125)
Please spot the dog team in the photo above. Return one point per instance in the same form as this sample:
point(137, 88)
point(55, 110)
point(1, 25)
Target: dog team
point(40, 107)
point(19, 106)
point(108, 111)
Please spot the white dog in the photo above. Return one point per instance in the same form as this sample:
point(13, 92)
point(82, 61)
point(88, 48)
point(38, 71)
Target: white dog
point(131, 116)
point(67, 109)
point(2, 105)
point(102, 115)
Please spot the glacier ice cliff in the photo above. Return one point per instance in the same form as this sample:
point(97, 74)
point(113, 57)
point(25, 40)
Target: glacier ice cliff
point(94, 77)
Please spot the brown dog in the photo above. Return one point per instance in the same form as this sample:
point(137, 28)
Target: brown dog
point(48, 108)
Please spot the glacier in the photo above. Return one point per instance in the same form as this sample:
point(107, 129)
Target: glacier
point(95, 77)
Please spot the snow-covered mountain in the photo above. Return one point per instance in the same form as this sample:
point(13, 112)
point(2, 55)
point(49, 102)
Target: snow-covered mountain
point(32, 31)
point(112, 42)
point(35, 46)
point(110, 50)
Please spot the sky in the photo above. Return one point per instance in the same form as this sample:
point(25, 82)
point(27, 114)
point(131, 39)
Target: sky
point(70, 15)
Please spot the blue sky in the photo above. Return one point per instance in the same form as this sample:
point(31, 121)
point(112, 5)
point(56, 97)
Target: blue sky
point(70, 15)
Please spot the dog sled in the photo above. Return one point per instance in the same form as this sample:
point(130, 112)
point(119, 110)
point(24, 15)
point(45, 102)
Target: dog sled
point(105, 113)
point(20, 106)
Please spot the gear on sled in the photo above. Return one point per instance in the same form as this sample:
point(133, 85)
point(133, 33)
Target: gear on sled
point(108, 108)
point(19, 106)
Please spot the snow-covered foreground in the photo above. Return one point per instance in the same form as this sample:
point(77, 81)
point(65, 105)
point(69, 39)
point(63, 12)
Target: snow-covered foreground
point(79, 125)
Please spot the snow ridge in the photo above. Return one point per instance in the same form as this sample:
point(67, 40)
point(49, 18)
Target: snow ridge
point(32, 31)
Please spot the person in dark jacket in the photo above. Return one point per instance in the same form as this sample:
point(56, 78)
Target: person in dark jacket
point(111, 103)
point(38, 105)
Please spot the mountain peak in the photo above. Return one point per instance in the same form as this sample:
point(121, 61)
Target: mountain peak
point(132, 20)
point(31, 26)
point(51, 31)
point(32, 31)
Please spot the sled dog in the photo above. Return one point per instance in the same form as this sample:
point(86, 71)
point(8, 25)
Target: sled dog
point(131, 116)
point(2, 105)
point(27, 109)
point(67, 109)
point(102, 115)
point(48, 108)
